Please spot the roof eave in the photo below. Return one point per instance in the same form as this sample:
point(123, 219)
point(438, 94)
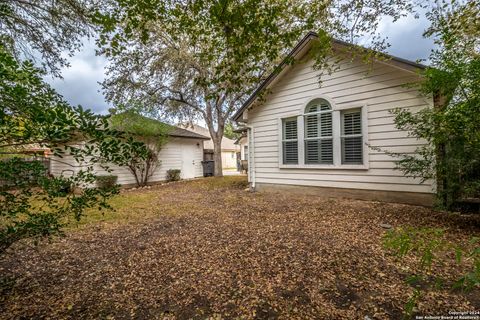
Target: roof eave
point(398, 62)
point(300, 45)
point(188, 137)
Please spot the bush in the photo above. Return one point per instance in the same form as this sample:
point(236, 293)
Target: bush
point(106, 182)
point(173, 175)
point(60, 186)
point(431, 250)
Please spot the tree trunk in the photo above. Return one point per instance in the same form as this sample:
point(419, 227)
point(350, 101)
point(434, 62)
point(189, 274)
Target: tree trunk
point(439, 103)
point(216, 135)
point(217, 156)
point(133, 170)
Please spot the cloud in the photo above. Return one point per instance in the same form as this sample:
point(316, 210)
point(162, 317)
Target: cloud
point(406, 37)
point(80, 81)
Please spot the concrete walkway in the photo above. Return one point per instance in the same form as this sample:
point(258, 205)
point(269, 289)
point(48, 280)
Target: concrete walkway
point(231, 172)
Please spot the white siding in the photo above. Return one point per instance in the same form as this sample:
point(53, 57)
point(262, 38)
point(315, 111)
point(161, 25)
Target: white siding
point(242, 143)
point(379, 87)
point(66, 166)
point(229, 159)
point(170, 157)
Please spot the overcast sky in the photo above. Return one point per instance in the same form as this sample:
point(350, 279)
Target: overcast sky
point(80, 83)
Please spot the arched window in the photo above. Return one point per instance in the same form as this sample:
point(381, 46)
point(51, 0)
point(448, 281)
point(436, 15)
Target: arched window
point(318, 132)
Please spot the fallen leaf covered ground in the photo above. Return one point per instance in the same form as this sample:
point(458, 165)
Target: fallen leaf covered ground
point(209, 249)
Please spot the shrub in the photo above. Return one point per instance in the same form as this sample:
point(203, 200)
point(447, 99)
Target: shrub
point(429, 247)
point(173, 175)
point(106, 182)
point(60, 186)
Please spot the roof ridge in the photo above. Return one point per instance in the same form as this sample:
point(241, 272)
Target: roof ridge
point(173, 130)
point(296, 49)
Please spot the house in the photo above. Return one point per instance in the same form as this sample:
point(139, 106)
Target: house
point(242, 143)
point(331, 139)
point(229, 148)
point(183, 150)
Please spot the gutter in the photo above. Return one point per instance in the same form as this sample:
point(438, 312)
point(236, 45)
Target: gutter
point(251, 154)
point(300, 45)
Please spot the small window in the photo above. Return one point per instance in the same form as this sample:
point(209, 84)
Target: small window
point(318, 132)
point(352, 137)
point(290, 141)
point(245, 152)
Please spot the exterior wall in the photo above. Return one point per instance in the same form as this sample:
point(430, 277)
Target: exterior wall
point(66, 166)
point(229, 159)
point(228, 145)
point(378, 89)
point(243, 143)
point(171, 156)
point(415, 198)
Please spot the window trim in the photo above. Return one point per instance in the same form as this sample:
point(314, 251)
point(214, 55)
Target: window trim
point(343, 135)
point(282, 140)
point(245, 152)
point(336, 131)
point(318, 138)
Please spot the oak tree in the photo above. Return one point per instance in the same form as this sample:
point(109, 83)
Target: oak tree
point(45, 31)
point(202, 59)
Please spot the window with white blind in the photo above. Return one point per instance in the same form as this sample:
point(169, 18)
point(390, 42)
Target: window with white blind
point(290, 141)
point(323, 135)
point(318, 133)
point(351, 137)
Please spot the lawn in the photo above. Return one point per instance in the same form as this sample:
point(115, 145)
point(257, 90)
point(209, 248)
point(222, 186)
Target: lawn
point(209, 249)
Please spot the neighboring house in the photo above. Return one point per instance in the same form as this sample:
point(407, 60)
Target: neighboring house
point(183, 150)
point(303, 135)
point(242, 142)
point(36, 150)
point(229, 148)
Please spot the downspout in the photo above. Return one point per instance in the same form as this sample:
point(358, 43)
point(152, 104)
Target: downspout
point(251, 154)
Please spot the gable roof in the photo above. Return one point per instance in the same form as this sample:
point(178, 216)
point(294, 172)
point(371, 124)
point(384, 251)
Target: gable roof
point(299, 47)
point(135, 119)
point(183, 133)
point(227, 144)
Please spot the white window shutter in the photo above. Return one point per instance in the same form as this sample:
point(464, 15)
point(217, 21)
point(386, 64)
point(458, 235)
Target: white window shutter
point(352, 139)
point(290, 141)
point(318, 143)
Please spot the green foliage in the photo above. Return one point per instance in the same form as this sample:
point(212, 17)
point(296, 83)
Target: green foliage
point(430, 248)
point(472, 278)
point(153, 134)
point(202, 59)
point(135, 124)
point(229, 133)
point(173, 175)
point(32, 113)
point(424, 242)
point(411, 303)
point(106, 182)
point(45, 28)
point(452, 153)
point(33, 204)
